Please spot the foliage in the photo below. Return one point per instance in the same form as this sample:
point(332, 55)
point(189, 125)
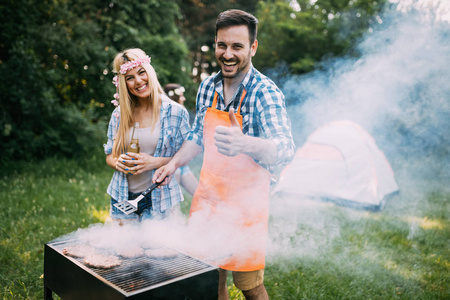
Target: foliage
point(398, 253)
point(301, 36)
point(57, 54)
point(197, 25)
point(299, 39)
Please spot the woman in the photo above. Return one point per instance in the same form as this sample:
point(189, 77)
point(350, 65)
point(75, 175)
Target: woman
point(160, 125)
point(176, 92)
point(184, 174)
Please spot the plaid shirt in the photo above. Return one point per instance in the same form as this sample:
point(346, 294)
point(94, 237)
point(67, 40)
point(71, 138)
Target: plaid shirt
point(263, 112)
point(174, 130)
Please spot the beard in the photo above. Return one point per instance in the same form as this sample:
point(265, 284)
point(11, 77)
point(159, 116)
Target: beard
point(240, 66)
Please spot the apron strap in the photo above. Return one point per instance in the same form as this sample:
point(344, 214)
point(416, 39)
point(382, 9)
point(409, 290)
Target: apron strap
point(244, 92)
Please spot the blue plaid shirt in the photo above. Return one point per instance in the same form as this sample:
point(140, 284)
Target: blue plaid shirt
point(263, 112)
point(174, 120)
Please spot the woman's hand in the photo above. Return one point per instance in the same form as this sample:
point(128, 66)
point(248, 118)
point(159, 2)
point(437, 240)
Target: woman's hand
point(137, 163)
point(121, 164)
point(115, 163)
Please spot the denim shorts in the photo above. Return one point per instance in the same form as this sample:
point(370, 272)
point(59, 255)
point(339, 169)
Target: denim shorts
point(144, 208)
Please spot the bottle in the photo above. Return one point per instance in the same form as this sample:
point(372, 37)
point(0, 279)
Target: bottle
point(134, 143)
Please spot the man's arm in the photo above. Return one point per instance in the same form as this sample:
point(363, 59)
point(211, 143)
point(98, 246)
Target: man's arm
point(184, 155)
point(260, 149)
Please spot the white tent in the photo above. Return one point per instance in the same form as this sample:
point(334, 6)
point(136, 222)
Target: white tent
point(339, 162)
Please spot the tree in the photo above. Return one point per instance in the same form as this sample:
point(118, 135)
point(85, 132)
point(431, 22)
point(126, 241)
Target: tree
point(57, 54)
point(198, 27)
point(302, 33)
point(298, 34)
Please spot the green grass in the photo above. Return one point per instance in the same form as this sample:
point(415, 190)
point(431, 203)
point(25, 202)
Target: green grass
point(41, 201)
point(372, 255)
point(320, 251)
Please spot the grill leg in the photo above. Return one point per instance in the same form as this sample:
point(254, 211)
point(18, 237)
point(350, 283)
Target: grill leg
point(48, 294)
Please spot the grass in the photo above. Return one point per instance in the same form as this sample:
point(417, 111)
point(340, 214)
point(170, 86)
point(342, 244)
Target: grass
point(41, 201)
point(386, 255)
point(317, 251)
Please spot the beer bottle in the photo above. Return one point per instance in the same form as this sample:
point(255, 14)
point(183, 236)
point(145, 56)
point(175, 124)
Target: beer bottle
point(134, 143)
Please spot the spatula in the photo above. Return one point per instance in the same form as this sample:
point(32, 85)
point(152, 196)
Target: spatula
point(130, 206)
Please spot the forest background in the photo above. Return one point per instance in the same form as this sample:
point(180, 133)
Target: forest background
point(55, 57)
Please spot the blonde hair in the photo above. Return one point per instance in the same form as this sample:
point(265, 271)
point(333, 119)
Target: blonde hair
point(128, 102)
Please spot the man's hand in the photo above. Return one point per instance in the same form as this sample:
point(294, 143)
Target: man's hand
point(230, 141)
point(164, 174)
point(188, 151)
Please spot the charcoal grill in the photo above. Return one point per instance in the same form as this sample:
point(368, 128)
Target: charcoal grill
point(181, 277)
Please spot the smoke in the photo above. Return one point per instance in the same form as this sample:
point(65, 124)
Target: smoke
point(400, 79)
point(210, 239)
point(398, 90)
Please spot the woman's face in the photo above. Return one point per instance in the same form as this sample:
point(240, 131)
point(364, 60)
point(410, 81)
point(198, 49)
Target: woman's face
point(137, 82)
point(181, 99)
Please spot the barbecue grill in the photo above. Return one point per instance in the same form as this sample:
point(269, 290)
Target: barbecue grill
point(180, 277)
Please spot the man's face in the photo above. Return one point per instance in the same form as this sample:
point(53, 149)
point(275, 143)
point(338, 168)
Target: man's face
point(233, 50)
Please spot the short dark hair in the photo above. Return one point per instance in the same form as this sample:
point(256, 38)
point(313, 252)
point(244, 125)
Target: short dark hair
point(235, 17)
point(170, 87)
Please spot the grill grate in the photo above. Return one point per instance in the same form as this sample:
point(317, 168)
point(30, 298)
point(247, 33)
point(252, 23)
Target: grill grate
point(143, 272)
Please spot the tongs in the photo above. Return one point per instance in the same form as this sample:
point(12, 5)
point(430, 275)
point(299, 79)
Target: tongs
point(130, 206)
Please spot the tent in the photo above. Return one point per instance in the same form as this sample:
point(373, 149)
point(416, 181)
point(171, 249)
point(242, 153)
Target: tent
point(339, 162)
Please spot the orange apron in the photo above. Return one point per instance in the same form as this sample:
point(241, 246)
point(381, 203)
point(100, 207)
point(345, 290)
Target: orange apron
point(233, 196)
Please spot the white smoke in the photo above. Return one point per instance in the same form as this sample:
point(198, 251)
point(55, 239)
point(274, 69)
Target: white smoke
point(398, 90)
point(210, 239)
point(432, 10)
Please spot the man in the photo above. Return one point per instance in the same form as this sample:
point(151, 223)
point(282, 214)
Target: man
point(240, 151)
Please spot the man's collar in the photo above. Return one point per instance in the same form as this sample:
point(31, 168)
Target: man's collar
point(248, 77)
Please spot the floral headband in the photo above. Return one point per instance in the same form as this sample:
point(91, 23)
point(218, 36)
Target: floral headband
point(123, 70)
point(177, 91)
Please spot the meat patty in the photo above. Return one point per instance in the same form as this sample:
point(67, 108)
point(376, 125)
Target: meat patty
point(130, 252)
point(102, 261)
point(79, 250)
